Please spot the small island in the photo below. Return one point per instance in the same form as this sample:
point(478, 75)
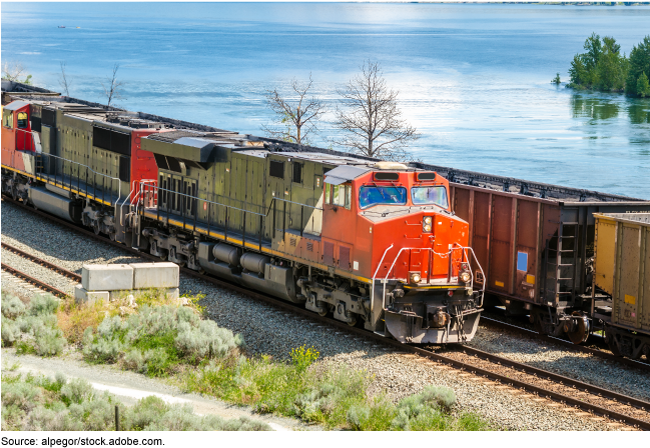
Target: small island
point(603, 68)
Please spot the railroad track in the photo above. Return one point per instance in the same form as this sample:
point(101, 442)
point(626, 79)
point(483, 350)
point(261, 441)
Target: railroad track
point(555, 390)
point(531, 334)
point(34, 281)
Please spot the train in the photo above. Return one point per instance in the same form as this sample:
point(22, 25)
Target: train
point(368, 242)
point(337, 233)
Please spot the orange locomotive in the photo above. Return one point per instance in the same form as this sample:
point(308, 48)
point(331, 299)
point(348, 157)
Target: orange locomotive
point(410, 246)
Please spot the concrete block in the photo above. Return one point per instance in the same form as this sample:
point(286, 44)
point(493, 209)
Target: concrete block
point(83, 295)
point(155, 275)
point(106, 277)
point(172, 293)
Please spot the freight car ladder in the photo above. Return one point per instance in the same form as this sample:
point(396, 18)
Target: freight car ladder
point(560, 265)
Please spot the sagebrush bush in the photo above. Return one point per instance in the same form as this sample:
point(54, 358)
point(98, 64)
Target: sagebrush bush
point(43, 305)
point(12, 306)
point(24, 396)
point(32, 329)
point(157, 339)
point(77, 391)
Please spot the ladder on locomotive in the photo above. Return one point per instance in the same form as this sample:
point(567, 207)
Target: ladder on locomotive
point(557, 288)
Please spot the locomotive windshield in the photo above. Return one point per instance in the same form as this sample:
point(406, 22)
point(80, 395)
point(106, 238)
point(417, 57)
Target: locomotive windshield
point(371, 195)
point(430, 195)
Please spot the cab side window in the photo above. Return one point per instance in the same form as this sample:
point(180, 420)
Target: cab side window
point(342, 196)
point(8, 119)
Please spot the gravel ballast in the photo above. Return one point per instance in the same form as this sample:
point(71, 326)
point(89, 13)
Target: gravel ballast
point(267, 330)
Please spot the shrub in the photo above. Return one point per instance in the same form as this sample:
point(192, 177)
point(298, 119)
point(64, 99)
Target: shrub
point(77, 391)
point(43, 305)
point(34, 329)
point(22, 395)
point(205, 340)
point(157, 339)
point(49, 341)
point(12, 306)
point(10, 332)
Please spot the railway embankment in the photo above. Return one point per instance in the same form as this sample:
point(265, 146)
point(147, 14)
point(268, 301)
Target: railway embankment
point(270, 331)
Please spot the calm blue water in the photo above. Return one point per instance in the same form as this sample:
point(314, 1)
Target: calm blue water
point(474, 79)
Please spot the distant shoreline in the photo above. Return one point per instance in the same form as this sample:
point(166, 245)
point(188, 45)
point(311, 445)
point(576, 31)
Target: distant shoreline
point(527, 3)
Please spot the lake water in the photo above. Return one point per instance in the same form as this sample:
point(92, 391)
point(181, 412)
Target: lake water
point(474, 79)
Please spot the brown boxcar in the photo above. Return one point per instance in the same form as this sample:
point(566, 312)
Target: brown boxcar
point(535, 242)
point(622, 273)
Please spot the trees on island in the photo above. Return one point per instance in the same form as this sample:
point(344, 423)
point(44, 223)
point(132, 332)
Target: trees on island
point(603, 67)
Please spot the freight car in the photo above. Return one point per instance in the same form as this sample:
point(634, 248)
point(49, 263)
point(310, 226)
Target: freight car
point(368, 242)
point(621, 297)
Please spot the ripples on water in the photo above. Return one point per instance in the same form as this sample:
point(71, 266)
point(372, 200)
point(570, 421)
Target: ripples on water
point(474, 79)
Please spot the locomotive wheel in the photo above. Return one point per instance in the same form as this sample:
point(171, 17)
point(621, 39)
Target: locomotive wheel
point(581, 332)
point(323, 313)
point(96, 227)
point(163, 254)
point(14, 193)
point(353, 322)
point(111, 236)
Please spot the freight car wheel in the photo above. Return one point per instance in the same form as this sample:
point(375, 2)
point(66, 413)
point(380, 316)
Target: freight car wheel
point(579, 331)
point(163, 254)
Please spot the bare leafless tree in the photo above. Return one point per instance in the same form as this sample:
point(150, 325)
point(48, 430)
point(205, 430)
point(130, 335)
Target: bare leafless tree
point(13, 71)
point(113, 88)
point(64, 82)
point(296, 115)
point(370, 118)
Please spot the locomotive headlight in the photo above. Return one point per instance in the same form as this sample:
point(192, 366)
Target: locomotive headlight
point(415, 277)
point(464, 276)
point(427, 224)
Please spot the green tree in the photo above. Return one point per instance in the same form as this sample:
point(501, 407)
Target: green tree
point(611, 66)
point(578, 71)
point(639, 63)
point(642, 86)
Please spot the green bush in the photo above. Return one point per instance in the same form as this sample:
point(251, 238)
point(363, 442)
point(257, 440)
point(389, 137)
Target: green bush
point(157, 339)
point(32, 329)
point(12, 306)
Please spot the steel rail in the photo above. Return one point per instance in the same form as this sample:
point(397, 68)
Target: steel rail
point(58, 269)
point(553, 340)
point(424, 353)
point(34, 281)
point(561, 379)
